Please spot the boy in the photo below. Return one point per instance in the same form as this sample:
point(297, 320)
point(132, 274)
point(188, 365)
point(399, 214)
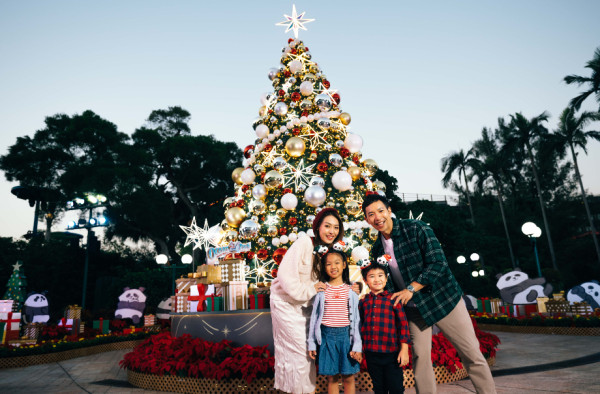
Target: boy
point(384, 332)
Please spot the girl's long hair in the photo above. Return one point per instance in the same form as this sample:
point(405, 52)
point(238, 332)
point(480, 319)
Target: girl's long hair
point(316, 268)
point(323, 277)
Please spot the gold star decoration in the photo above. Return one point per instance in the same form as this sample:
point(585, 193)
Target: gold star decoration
point(298, 175)
point(261, 272)
point(315, 137)
point(294, 22)
point(269, 156)
point(306, 62)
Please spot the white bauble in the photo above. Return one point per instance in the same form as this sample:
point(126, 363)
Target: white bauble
point(289, 201)
point(275, 242)
point(259, 191)
point(280, 108)
point(342, 181)
point(353, 142)
point(247, 176)
point(315, 196)
point(295, 66)
point(284, 239)
point(306, 88)
point(359, 253)
point(293, 237)
point(262, 131)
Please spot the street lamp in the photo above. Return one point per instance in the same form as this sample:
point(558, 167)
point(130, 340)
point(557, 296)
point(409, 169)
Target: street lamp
point(531, 230)
point(474, 257)
point(163, 259)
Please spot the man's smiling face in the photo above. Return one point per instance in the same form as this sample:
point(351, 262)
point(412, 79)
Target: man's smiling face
point(380, 217)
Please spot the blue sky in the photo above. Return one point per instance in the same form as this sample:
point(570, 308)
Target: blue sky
point(420, 79)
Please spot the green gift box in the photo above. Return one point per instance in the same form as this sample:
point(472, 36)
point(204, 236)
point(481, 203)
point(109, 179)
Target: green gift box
point(214, 303)
point(101, 325)
point(484, 305)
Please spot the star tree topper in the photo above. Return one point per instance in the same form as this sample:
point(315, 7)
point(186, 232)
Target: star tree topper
point(294, 22)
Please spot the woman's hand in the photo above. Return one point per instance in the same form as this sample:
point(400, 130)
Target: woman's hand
point(356, 287)
point(357, 356)
point(312, 354)
point(320, 286)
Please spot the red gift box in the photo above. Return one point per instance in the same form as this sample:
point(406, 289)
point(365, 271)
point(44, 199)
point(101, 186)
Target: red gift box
point(198, 298)
point(258, 301)
point(531, 308)
point(128, 331)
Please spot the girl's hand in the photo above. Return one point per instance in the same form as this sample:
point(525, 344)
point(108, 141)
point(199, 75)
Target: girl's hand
point(320, 286)
point(356, 287)
point(403, 357)
point(312, 354)
point(357, 356)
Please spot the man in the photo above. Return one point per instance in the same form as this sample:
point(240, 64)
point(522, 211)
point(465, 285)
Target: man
point(423, 282)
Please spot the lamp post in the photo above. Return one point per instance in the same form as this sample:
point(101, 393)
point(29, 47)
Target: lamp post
point(532, 231)
point(90, 202)
point(163, 259)
point(474, 257)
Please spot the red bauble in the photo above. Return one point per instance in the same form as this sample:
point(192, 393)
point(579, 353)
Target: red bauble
point(283, 231)
point(278, 255)
point(326, 83)
point(245, 188)
point(356, 160)
point(336, 97)
point(262, 254)
point(250, 255)
point(305, 49)
point(304, 113)
point(287, 73)
point(281, 92)
point(344, 152)
point(290, 40)
point(248, 151)
point(268, 148)
point(296, 96)
point(292, 221)
point(322, 167)
point(287, 190)
point(274, 272)
point(294, 51)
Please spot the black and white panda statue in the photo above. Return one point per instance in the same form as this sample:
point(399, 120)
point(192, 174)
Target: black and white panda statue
point(516, 288)
point(588, 292)
point(36, 308)
point(163, 311)
point(131, 304)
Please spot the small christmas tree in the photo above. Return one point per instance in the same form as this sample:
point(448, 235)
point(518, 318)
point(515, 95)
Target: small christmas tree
point(15, 288)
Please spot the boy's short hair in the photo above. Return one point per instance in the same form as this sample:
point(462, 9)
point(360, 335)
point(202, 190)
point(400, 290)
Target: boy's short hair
point(371, 198)
point(374, 265)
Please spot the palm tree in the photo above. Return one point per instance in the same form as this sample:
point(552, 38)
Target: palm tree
point(593, 81)
point(570, 134)
point(519, 136)
point(490, 165)
point(459, 162)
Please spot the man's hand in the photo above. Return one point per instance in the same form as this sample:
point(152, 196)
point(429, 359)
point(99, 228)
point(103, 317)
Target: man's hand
point(357, 356)
point(312, 354)
point(402, 296)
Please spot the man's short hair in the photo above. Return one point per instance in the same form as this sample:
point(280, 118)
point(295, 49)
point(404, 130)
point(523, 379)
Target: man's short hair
point(371, 198)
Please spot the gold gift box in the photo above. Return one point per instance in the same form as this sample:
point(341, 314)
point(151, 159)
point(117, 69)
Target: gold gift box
point(541, 304)
point(209, 274)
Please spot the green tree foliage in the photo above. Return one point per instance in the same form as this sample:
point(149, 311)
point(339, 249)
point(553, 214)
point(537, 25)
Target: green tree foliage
point(592, 82)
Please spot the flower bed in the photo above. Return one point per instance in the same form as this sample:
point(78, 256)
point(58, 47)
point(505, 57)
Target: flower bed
point(541, 324)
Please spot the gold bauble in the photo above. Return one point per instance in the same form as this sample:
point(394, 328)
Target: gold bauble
point(262, 111)
point(295, 147)
point(228, 201)
point(345, 118)
point(378, 185)
point(281, 213)
point(354, 172)
point(367, 246)
point(371, 166)
point(231, 236)
point(235, 216)
point(272, 231)
point(330, 204)
point(258, 207)
point(273, 179)
point(306, 104)
point(224, 225)
point(259, 169)
point(236, 174)
point(272, 208)
point(373, 233)
point(353, 207)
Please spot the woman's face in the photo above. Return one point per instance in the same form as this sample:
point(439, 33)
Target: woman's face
point(329, 229)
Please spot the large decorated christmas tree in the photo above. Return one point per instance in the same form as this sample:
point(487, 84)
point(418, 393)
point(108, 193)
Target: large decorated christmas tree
point(15, 287)
point(304, 158)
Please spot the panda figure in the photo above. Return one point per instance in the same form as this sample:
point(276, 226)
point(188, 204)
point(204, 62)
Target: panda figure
point(516, 288)
point(470, 302)
point(588, 292)
point(131, 304)
point(36, 308)
point(164, 309)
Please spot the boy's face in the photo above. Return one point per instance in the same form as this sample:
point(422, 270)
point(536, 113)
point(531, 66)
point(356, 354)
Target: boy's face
point(380, 217)
point(376, 280)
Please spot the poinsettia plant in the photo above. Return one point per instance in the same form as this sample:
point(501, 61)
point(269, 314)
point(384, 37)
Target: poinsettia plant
point(195, 357)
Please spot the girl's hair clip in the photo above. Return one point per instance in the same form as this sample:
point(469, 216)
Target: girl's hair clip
point(363, 263)
point(384, 260)
point(321, 250)
point(339, 246)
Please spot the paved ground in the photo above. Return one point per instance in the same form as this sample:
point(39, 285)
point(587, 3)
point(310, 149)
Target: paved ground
point(525, 364)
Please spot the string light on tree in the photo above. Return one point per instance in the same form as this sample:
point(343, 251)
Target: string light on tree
point(299, 175)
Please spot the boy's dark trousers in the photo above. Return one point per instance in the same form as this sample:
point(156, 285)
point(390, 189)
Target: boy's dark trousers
point(386, 374)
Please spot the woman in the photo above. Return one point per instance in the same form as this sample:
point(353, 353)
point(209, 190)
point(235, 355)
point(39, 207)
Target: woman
point(291, 303)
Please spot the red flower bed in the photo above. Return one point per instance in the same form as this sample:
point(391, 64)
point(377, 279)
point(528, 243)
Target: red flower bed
point(194, 357)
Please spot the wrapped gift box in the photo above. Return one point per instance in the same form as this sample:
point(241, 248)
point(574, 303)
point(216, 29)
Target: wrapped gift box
point(73, 312)
point(6, 305)
point(235, 295)
point(541, 304)
point(233, 270)
point(258, 301)
point(559, 296)
point(173, 303)
point(72, 325)
point(209, 274)
point(507, 310)
point(214, 303)
point(495, 304)
point(183, 304)
point(21, 342)
point(518, 310)
point(531, 309)
point(484, 305)
point(558, 306)
point(12, 320)
point(184, 284)
point(197, 297)
point(32, 330)
point(581, 308)
point(101, 325)
point(149, 320)
point(132, 330)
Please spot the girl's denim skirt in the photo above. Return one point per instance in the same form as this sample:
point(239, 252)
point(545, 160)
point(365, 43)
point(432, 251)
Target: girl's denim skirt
point(334, 352)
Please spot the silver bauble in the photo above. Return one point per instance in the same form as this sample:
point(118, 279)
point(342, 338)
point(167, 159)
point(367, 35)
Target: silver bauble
point(248, 229)
point(258, 207)
point(310, 219)
point(273, 73)
point(306, 104)
point(336, 160)
point(259, 169)
point(324, 123)
point(259, 191)
point(310, 77)
point(315, 196)
point(301, 187)
point(317, 181)
point(279, 163)
point(339, 144)
point(280, 108)
point(324, 102)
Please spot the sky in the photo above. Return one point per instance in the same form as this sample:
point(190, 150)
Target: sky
point(420, 79)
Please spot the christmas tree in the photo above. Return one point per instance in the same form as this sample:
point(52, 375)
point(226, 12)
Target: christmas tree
point(15, 288)
point(304, 159)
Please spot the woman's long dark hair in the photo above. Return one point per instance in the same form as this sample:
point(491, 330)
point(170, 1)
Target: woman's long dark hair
point(345, 273)
point(316, 268)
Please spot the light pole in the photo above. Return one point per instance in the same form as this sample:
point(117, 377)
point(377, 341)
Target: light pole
point(90, 202)
point(163, 259)
point(474, 257)
point(531, 230)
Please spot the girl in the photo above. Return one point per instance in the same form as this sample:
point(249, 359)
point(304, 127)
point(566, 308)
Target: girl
point(334, 324)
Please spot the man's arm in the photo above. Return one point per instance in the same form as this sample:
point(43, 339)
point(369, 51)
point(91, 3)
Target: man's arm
point(434, 261)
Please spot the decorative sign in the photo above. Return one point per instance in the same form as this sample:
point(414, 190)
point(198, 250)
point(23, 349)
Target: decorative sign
point(232, 247)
